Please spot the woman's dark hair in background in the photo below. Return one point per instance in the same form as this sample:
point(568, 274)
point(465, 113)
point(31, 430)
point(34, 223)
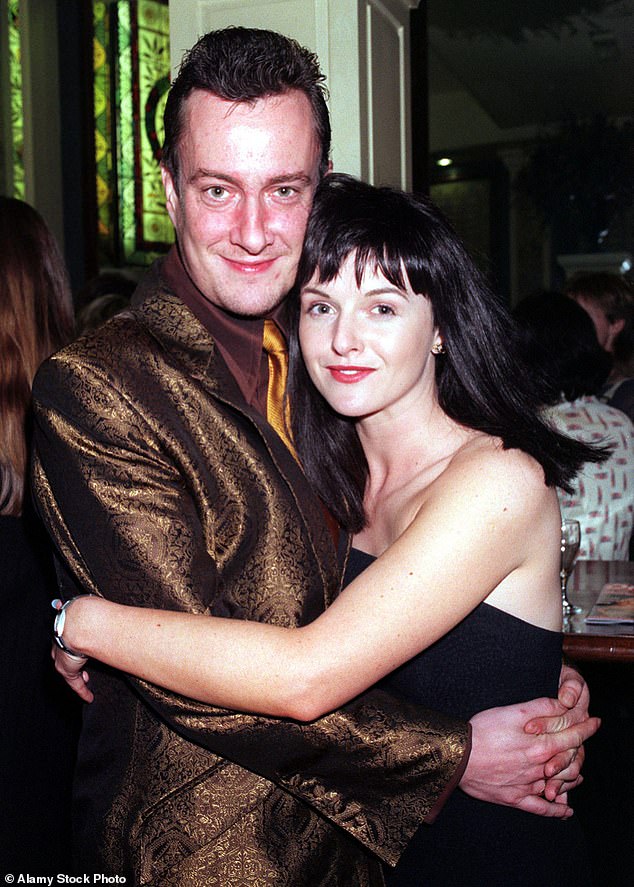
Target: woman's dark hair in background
point(36, 319)
point(480, 383)
point(560, 345)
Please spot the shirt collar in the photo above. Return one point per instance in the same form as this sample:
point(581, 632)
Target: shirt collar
point(239, 339)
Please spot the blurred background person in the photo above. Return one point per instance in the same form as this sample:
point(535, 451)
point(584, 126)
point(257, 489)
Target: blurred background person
point(101, 298)
point(609, 300)
point(38, 717)
point(562, 349)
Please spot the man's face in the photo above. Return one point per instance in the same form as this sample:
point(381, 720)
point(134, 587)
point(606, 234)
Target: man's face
point(247, 177)
point(607, 330)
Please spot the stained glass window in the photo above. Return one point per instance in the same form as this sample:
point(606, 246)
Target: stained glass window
point(15, 92)
point(131, 79)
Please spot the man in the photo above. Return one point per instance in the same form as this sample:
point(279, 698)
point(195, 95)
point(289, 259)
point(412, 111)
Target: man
point(164, 485)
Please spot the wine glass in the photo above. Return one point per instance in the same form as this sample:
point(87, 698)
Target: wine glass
point(570, 540)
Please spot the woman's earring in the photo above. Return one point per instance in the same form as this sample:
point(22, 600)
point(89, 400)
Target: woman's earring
point(438, 347)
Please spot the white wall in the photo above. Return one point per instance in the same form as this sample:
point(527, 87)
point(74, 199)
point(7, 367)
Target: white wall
point(41, 102)
point(363, 48)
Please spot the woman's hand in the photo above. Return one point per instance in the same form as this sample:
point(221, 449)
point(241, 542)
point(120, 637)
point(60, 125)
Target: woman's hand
point(68, 663)
point(72, 669)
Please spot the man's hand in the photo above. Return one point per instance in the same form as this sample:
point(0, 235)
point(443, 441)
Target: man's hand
point(508, 765)
point(563, 770)
point(573, 691)
point(73, 671)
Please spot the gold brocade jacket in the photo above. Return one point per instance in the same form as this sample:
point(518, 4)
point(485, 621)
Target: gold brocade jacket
point(161, 487)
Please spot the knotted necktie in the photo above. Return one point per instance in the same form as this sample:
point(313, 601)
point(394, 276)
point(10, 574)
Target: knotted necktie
point(276, 413)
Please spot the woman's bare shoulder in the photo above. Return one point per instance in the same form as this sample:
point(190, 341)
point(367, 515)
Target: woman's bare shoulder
point(483, 467)
point(499, 501)
point(483, 452)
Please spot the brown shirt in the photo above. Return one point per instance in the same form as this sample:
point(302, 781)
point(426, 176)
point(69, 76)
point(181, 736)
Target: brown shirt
point(239, 339)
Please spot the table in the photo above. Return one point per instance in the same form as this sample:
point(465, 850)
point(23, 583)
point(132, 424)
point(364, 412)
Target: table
point(607, 643)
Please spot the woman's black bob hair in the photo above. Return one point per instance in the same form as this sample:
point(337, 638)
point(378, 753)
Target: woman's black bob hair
point(480, 381)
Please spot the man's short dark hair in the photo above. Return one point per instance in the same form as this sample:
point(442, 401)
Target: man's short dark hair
point(243, 65)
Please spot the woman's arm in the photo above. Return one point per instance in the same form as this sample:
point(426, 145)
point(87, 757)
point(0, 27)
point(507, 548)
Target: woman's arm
point(476, 528)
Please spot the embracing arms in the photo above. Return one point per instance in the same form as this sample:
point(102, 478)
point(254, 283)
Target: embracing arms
point(305, 672)
point(142, 511)
point(420, 588)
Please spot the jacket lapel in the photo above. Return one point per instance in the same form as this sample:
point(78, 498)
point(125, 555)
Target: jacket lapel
point(181, 335)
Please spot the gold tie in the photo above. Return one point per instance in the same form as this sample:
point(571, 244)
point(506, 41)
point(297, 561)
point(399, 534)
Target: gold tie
point(276, 413)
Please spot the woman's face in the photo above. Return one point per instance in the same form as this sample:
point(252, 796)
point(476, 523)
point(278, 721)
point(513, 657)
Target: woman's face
point(367, 347)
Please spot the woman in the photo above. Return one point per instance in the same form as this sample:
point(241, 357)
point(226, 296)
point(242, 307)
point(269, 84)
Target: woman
point(422, 444)
point(39, 718)
point(560, 343)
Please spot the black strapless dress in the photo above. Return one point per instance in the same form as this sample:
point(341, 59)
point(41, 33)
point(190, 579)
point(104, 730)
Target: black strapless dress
point(491, 658)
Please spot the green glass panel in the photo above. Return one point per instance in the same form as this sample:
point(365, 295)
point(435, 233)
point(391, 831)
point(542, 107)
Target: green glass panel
point(153, 72)
point(105, 184)
point(15, 89)
point(141, 85)
point(131, 83)
point(124, 84)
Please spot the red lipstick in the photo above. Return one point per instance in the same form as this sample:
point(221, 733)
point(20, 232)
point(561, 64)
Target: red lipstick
point(348, 375)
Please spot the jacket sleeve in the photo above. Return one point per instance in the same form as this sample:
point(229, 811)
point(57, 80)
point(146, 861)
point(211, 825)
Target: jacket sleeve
point(126, 527)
